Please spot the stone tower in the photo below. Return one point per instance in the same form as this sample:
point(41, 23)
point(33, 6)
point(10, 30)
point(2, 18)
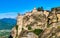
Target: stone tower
point(34, 10)
point(19, 23)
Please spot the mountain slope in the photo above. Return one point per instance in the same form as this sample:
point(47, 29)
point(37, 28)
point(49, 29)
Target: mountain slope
point(7, 23)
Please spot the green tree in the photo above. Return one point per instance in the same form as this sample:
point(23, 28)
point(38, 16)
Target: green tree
point(37, 31)
point(40, 9)
point(29, 28)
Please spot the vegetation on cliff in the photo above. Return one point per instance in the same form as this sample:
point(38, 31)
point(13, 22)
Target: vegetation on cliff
point(37, 31)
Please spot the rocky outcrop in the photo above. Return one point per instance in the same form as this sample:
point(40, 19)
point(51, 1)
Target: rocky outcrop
point(50, 33)
point(48, 21)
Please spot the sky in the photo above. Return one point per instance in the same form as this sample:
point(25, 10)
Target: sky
point(10, 8)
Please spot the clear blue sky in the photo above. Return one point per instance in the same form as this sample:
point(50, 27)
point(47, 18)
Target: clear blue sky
point(10, 8)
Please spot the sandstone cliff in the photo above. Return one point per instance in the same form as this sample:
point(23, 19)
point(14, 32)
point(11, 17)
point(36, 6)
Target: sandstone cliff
point(47, 22)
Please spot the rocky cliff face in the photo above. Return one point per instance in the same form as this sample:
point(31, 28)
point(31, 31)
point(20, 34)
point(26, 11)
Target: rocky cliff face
point(35, 21)
point(47, 25)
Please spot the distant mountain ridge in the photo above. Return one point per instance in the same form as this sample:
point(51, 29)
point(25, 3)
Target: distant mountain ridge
point(7, 23)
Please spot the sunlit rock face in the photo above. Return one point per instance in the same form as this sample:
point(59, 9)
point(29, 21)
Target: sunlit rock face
point(48, 21)
point(46, 12)
point(53, 18)
point(50, 33)
point(27, 34)
point(35, 20)
point(54, 31)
